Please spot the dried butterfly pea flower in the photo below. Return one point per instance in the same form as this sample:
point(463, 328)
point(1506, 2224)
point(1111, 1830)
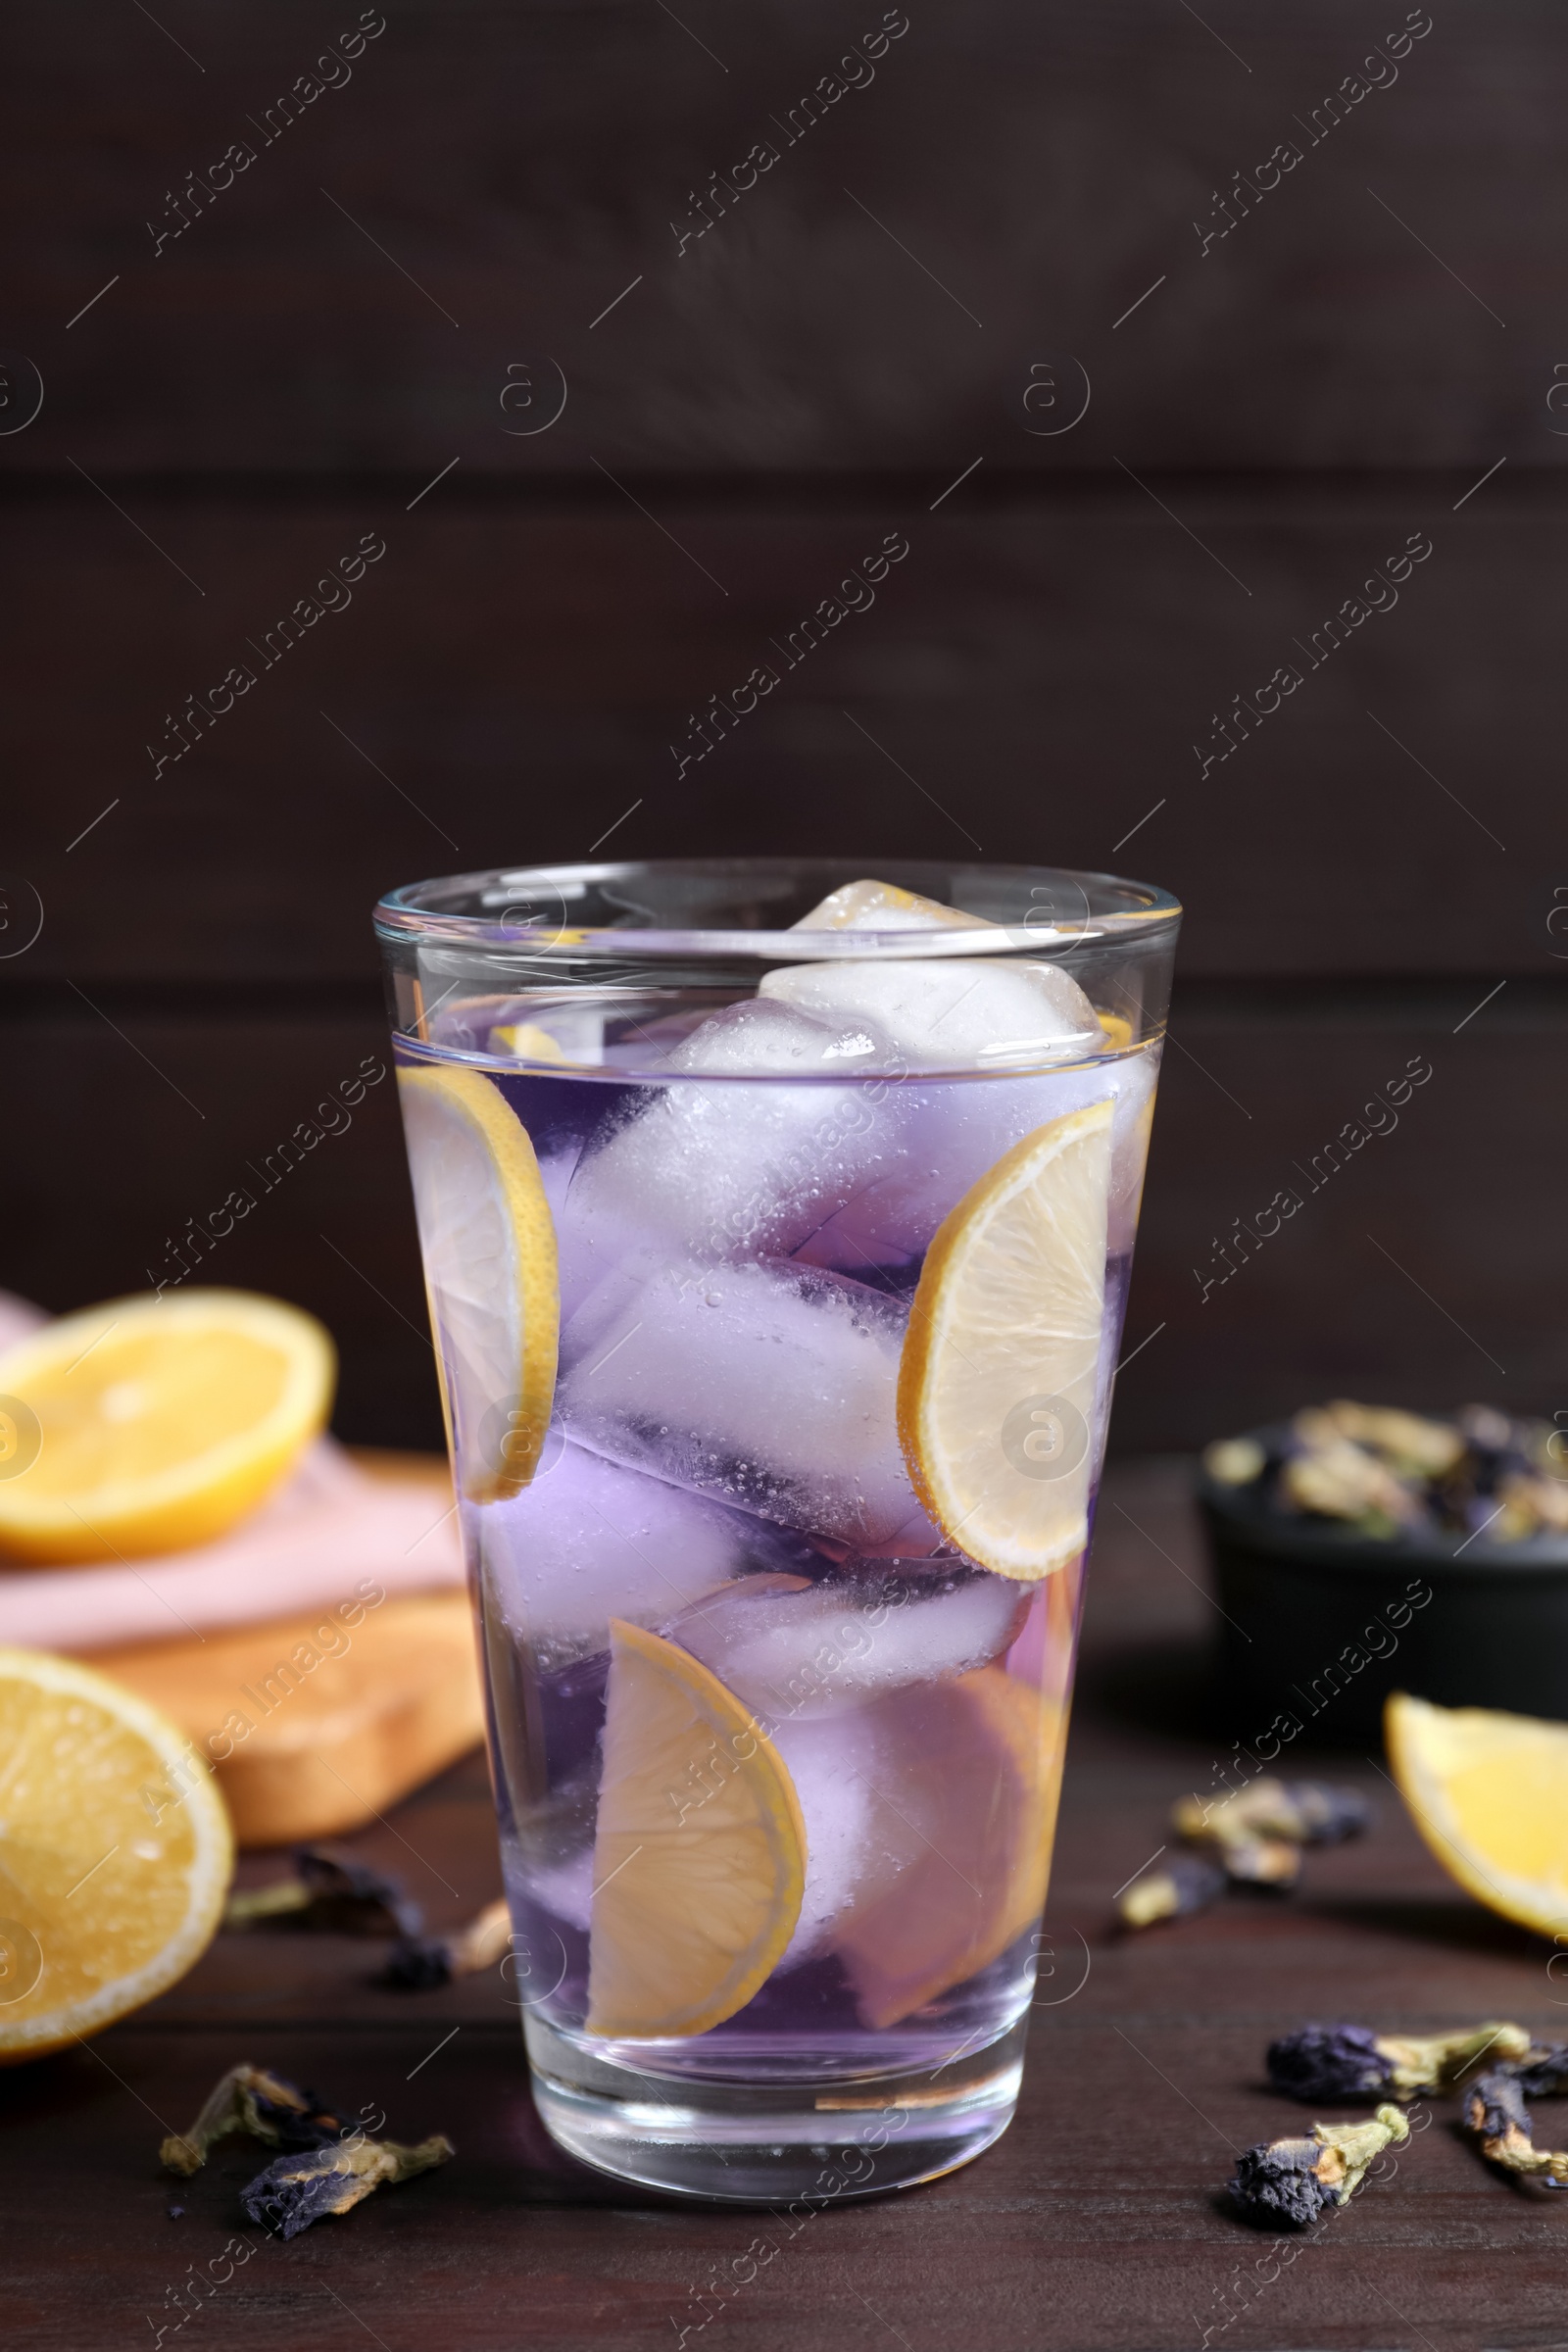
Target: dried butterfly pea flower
point(1496, 2113)
point(297, 2190)
point(1187, 1883)
point(253, 2099)
point(1307, 1812)
point(419, 1964)
point(330, 1891)
point(1292, 2180)
point(1269, 1862)
point(1543, 2070)
point(1353, 2062)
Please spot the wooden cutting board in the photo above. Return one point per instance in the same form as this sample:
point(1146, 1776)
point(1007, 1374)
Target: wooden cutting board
point(313, 1727)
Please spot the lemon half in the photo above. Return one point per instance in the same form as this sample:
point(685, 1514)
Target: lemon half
point(997, 1380)
point(1488, 1792)
point(700, 1855)
point(157, 1423)
point(115, 1854)
point(490, 1265)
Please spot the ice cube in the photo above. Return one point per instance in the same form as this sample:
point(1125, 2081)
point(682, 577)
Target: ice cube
point(795, 1652)
point(834, 1767)
point(582, 1259)
point(884, 907)
point(766, 1385)
point(959, 1012)
point(953, 1131)
point(745, 1163)
point(591, 1540)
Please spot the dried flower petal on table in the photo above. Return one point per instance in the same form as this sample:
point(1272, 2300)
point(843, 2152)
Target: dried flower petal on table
point(1496, 2113)
point(1272, 1863)
point(1291, 2180)
point(421, 1964)
point(1543, 2070)
point(333, 1891)
point(253, 2099)
point(1187, 1883)
point(1309, 1812)
point(1353, 2062)
point(297, 2190)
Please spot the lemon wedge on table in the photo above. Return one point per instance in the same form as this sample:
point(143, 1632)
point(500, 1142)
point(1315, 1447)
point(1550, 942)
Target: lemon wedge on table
point(1488, 1792)
point(490, 1264)
point(997, 1378)
point(147, 1424)
point(700, 1853)
point(115, 1854)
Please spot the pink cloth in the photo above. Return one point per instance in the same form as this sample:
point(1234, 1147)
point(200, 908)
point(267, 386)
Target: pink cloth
point(18, 1316)
point(330, 1527)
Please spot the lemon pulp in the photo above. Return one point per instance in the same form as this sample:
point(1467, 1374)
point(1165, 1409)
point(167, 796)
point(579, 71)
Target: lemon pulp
point(700, 1853)
point(115, 1852)
point(157, 1423)
point(996, 1381)
point(489, 1247)
point(1488, 1792)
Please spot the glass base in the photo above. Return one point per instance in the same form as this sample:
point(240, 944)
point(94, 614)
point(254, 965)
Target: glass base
point(810, 2140)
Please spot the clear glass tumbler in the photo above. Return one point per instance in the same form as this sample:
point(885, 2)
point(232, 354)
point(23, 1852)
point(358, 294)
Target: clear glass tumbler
point(777, 1226)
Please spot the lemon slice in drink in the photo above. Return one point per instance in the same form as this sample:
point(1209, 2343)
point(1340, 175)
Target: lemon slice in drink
point(490, 1268)
point(115, 1854)
point(700, 1855)
point(149, 1424)
point(974, 1768)
point(997, 1378)
point(1488, 1792)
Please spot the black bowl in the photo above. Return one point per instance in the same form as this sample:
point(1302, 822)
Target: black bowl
point(1321, 1623)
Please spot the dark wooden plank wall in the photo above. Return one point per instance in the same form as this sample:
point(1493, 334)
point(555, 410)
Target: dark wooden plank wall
point(235, 410)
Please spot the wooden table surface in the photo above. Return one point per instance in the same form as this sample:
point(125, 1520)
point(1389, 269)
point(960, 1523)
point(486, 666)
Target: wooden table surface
point(1097, 2222)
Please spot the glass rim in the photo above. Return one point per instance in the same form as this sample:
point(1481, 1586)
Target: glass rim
point(1129, 912)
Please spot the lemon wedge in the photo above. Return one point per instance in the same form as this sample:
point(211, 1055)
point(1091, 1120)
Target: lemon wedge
point(150, 1424)
point(527, 1041)
point(700, 1855)
point(490, 1269)
point(997, 1378)
point(976, 1771)
point(115, 1854)
point(1488, 1792)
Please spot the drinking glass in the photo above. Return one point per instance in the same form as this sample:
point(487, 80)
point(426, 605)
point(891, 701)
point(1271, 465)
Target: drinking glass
point(776, 1224)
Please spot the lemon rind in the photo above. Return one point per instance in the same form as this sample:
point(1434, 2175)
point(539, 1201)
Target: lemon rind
point(769, 1778)
point(207, 1880)
point(930, 1316)
point(1427, 1801)
point(468, 1094)
point(210, 1490)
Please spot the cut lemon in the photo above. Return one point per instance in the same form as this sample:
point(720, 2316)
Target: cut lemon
point(149, 1424)
point(974, 1770)
point(490, 1268)
point(1488, 1792)
point(700, 1855)
point(115, 1854)
point(527, 1042)
point(997, 1378)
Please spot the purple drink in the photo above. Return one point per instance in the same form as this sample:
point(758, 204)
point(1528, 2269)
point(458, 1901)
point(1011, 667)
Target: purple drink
point(777, 1332)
